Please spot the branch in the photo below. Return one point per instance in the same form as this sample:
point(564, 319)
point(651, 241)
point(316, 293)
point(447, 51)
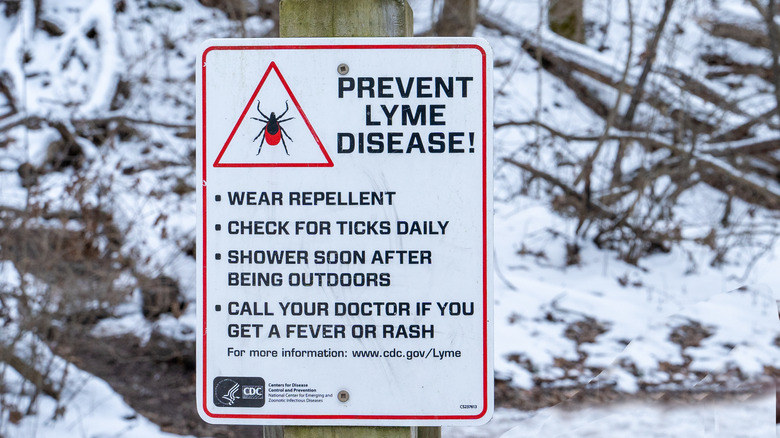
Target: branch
point(568, 190)
point(713, 170)
point(725, 66)
point(5, 90)
point(743, 31)
point(563, 69)
point(29, 373)
point(19, 119)
point(565, 59)
point(741, 131)
point(650, 52)
point(719, 176)
point(698, 88)
point(122, 119)
point(617, 220)
point(34, 121)
point(587, 170)
point(742, 148)
point(654, 142)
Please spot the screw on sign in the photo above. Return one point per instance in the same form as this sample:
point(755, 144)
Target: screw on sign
point(273, 128)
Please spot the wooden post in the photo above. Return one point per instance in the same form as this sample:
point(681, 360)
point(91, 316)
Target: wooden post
point(346, 18)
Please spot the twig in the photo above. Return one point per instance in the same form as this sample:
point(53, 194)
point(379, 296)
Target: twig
point(568, 190)
point(650, 53)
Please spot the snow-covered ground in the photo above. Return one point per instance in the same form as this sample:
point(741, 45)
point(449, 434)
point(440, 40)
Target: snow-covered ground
point(634, 312)
point(753, 418)
point(88, 408)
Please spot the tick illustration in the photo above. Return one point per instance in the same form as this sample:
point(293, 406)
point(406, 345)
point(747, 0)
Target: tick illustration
point(272, 132)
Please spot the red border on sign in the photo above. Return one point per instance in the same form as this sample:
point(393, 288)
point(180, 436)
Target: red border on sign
point(272, 66)
point(203, 249)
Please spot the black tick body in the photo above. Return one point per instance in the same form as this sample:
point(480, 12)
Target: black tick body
point(272, 132)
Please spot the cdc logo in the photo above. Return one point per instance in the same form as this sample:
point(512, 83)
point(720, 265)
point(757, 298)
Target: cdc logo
point(253, 392)
point(239, 392)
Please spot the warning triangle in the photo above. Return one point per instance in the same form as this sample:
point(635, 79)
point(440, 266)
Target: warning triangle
point(273, 130)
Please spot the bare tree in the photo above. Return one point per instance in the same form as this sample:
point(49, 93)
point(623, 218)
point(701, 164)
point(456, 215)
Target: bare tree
point(457, 18)
point(680, 129)
point(650, 55)
point(566, 19)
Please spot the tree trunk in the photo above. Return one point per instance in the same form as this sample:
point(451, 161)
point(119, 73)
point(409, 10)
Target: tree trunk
point(566, 19)
point(457, 18)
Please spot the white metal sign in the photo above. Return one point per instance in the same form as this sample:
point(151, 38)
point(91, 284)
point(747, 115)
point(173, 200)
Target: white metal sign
point(344, 242)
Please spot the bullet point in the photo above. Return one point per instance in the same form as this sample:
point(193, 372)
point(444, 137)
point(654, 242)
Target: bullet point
point(217, 307)
point(218, 256)
point(218, 198)
point(217, 227)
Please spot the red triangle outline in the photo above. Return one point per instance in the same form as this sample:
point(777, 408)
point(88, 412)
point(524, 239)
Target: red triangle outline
point(272, 66)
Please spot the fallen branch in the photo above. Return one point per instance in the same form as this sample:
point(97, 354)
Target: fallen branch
point(563, 69)
point(743, 148)
point(720, 177)
point(133, 121)
point(723, 65)
point(700, 89)
point(707, 162)
point(741, 131)
point(743, 30)
point(28, 372)
point(19, 119)
point(601, 211)
point(587, 205)
point(565, 59)
point(32, 121)
point(651, 141)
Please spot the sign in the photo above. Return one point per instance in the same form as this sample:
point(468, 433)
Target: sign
point(345, 231)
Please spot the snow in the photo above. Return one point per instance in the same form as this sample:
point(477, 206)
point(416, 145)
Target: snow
point(15, 47)
point(88, 408)
point(101, 15)
point(645, 315)
point(750, 418)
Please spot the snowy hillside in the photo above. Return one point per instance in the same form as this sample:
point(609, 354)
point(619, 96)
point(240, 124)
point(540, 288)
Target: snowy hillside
point(636, 257)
